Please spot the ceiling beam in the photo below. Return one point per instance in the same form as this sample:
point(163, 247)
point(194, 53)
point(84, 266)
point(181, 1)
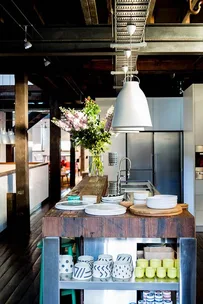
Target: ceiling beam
point(103, 34)
point(161, 39)
point(150, 18)
point(89, 9)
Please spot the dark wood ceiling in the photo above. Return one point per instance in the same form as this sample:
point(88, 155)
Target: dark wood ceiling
point(75, 37)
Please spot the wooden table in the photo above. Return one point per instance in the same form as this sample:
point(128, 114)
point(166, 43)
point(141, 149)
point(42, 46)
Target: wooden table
point(57, 223)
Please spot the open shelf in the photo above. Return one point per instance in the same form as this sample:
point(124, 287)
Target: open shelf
point(109, 284)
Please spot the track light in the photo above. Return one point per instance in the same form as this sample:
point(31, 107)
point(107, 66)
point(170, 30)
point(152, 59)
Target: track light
point(46, 62)
point(27, 44)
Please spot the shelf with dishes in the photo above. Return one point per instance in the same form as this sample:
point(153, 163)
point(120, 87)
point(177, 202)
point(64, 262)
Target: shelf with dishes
point(109, 284)
point(155, 269)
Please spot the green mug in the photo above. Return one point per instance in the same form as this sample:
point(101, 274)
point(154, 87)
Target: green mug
point(142, 263)
point(139, 272)
point(150, 272)
point(161, 272)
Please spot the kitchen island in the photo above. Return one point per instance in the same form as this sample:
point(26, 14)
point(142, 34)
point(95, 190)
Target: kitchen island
point(103, 234)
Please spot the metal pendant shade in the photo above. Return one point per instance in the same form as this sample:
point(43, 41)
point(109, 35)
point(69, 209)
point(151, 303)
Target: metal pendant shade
point(131, 109)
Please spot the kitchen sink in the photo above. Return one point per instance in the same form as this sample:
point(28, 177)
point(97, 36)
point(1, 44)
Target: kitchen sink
point(131, 186)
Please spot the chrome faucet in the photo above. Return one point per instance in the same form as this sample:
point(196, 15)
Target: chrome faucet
point(119, 176)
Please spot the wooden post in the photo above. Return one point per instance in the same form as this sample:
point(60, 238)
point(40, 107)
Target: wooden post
point(21, 153)
point(72, 164)
point(82, 160)
point(9, 148)
point(55, 153)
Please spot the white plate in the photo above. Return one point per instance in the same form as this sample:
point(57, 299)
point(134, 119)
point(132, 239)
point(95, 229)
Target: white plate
point(105, 209)
point(71, 205)
point(112, 202)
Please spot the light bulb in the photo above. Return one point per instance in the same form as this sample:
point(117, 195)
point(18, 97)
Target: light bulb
point(131, 29)
point(125, 68)
point(127, 53)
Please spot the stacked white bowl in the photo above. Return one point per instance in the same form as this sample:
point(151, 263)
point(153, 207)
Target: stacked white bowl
point(140, 197)
point(89, 199)
point(162, 201)
point(112, 199)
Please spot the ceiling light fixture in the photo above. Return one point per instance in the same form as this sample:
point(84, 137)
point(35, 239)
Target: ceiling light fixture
point(131, 113)
point(46, 62)
point(127, 53)
point(27, 44)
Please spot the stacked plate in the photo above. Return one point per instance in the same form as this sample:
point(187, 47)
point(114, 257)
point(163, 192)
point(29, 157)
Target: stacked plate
point(71, 205)
point(115, 199)
point(105, 209)
point(162, 201)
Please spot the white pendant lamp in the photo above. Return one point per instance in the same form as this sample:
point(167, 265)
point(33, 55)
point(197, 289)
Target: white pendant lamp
point(131, 111)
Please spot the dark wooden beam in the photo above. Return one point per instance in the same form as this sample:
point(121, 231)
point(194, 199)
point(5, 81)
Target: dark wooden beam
point(55, 153)
point(21, 153)
point(89, 9)
point(110, 11)
point(150, 18)
point(38, 13)
point(72, 164)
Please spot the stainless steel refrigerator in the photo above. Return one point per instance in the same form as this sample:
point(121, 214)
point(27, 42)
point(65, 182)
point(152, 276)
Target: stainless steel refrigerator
point(157, 156)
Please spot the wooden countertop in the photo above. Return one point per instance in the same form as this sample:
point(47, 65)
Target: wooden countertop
point(11, 171)
point(78, 223)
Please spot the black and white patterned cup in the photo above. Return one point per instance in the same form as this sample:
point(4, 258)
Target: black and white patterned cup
point(125, 257)
point(82, 271)
point(106, 258)
point(66, 266)
point(101, 270)
point(86, 259)
point(122, 270)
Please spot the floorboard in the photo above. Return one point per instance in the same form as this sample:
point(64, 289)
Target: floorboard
point(20, 265)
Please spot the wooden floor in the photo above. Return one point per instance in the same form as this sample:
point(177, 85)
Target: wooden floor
point(20, 266)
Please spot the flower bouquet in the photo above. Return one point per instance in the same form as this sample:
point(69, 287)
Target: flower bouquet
point(88, 131)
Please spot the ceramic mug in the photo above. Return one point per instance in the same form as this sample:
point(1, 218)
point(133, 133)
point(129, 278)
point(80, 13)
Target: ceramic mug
point(122, 270)
point(66, 266)
point(101, 270)
point(161, 272)
point(142, 263)
point(125, 257)
point(82, 271)
point(172, 273)
point(86, 259)
point(150, 272)
point(139, 272)
point(168, 263)
point(106, 258)
point(155, 263)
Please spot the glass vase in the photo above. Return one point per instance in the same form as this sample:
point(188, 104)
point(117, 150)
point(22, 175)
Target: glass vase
point(96, 165)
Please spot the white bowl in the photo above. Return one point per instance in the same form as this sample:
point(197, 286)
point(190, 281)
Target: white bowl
point(89, 199)
point(159, 202)
point(167, 197)
point(140, 202)
point(141, 194)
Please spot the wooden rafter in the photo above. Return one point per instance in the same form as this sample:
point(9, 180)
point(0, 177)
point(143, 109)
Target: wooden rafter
point(89, 9)
point(150, 18)
point(192, 4)
point(38, 14)
point(110, 10)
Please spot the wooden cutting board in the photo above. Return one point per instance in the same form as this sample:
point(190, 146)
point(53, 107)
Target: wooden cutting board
point(143, 210)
